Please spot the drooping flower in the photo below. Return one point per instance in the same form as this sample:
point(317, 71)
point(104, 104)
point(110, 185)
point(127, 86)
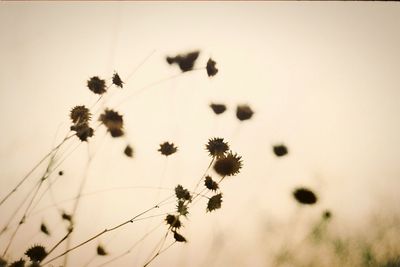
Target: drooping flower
point(167, 148)
point(117, 80)
point(36, 253)
point(305, 196)
point(228, 165)
point(244, 112)
point(214, 202)
point(97, 85)
point(218, 108)
point(280, 150)
point(211, 69)
point(185, 61)
point(216, 147)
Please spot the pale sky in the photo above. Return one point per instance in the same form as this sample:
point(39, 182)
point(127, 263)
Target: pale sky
point(322, 78)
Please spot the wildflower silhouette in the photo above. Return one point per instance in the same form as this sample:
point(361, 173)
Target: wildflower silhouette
point(97, 85)
point(36, 253)
point(211, 69)
point(184, 61)
point(228, 165)
point(116, 80)
point(305, 196)
point(244, 112)
point(217, 148)
point(218, 108)
point(167, 148)
point(280, 150)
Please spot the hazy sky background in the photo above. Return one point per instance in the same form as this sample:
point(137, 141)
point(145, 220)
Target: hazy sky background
point(322, 78)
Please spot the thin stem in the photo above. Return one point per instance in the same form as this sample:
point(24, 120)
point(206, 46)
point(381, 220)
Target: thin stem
point(205, 173)
point(158, 253)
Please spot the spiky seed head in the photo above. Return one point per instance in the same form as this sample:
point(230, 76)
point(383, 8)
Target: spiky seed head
point(113, 122)
point(216, 147)
point(211, 69)
point(178, 237)
point(44, 229)
point(101, 251)
point(117, 80)
point(218, 108)
point(280, 150)
point(305, 196)
point(173, 221)
point(83, 131)
point(182, 193)
point(228, 165)
point(244, 112)
point(36, 253)
point(214, 202)
point(185, 61)
point(210, 184)
point(18, 263)
point(182, 208)
point(80, 114)
point(97, 85)
point(128, 151)
point(167, 148)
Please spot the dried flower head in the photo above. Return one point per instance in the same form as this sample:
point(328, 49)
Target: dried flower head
point(182, 208)
point(18, 263)
point(218, 108)
point(228, 165)
point(244, 112)
point(214, 202)
point(210, 184)
point(36, 253)
point(97, 85)
point(128, 151)
point(217, 147)
point(83, 131)
point(179, 237)
point(44, 229)
point(117, 80)
point(167, 148)
point(182, 193)
point(66, 217)
point(185, 61)
point(80, 114)
point(101, 251)
point(113, 122)
point(305, 196)
point(3, 262)
point(211, 69)
point(280, 150)
point(173, 221)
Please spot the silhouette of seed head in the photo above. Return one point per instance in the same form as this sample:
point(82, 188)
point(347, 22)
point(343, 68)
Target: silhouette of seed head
point(305, 196)
point(179, 237)
point(167, 148)
point(80, 114)
point(44, 229)
point(218, 108)
point(214, 202)
point(66, 217)
point(61, 173)
point(3, 262)
point(185, 61)
point(36, 253)
point(113, 122)
point(83, 131)
point(18, 263)
point(210, 184)
point(280, 150)
point(182, 193)
point(97, 85)
point(173, 221)
point(117, 80)
point(128, 151)
point(182, 208)
point(211, 69)
point(326, 215)
point(217, 147)
point(228, 165)
point(244, 112)
point(101, 251)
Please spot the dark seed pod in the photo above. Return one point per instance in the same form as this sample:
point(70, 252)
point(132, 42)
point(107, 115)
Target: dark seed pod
point(167, 148)
point(173, 221)
point(217, 148)
point(210, 184)
point(305, 196)
point(117, 80)
point(97, 85)
point(280, 150)
point(101, 251)
point(128, 151)
point(211, 69)
point(244, 112)
point(36, 253)
point(218, 108)
point(179, 237)
point(214, 202)
point(184, 61)
point(228, 165)
point(182, 193)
